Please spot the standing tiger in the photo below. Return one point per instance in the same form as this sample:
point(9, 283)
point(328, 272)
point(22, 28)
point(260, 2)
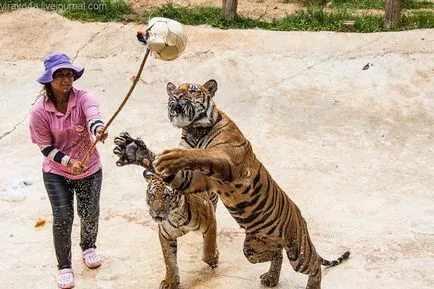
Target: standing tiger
point(177, 215)
point(216, 157)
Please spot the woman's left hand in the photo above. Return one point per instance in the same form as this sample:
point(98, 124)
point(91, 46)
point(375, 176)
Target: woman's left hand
point(101, 135)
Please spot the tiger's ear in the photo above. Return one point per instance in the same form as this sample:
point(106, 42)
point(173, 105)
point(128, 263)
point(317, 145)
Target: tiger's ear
point(147, 174)
point(170, 88)
point(211, 86)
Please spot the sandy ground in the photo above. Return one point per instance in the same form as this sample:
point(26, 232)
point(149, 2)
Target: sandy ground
point(352, 147)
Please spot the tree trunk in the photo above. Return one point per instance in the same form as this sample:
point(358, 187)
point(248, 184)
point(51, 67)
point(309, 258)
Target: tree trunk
point(392, 16)
point(229, 10)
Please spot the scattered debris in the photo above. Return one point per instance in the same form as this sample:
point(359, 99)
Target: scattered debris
point(14, 192)
point(349, 24)
point(40, 223)
point(367, 66)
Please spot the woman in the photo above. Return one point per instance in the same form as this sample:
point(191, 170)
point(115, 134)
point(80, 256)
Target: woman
point(62, 123)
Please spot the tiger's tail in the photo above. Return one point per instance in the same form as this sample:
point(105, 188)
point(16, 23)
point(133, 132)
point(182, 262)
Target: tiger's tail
point(336, 262)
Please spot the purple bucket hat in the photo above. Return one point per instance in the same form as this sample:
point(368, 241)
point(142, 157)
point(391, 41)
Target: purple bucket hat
point(57, 61)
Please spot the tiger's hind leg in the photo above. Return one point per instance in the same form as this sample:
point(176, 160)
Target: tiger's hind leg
point(302, 255)
point(314, 280)
point(307, 262)
point(259, 249)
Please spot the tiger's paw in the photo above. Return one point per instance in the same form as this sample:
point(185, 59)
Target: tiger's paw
point(269, 280)
point(212, 260)
point(171, 161)
point(169, 284)
point(132, 151)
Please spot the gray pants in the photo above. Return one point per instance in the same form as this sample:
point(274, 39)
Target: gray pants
point(61, 193)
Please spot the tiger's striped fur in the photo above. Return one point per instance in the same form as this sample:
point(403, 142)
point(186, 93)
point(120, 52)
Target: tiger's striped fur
point(177, 215)
point(217, 158)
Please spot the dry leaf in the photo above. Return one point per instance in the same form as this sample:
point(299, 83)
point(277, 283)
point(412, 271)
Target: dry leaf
point(40, 223)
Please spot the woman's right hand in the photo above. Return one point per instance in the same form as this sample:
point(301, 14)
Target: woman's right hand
point(101, 134)
point(75, 166)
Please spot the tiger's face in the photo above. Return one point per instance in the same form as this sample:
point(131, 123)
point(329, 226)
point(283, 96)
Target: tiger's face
point(160, 197)
point(191, 105)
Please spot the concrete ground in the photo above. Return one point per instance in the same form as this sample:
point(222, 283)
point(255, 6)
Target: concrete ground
point(352, 147)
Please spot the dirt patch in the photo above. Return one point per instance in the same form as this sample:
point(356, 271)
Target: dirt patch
point(255, 9)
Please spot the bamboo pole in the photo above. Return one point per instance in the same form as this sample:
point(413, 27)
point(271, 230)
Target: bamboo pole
point(135, 80)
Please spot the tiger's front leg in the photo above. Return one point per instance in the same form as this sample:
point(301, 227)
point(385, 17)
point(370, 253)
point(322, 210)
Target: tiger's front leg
point(210, 162)
point(210, 251)
point(259, 249)
point(169, 248)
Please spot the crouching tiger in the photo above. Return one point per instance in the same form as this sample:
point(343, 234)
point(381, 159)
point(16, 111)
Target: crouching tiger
point(217, 158)
point(177, 215)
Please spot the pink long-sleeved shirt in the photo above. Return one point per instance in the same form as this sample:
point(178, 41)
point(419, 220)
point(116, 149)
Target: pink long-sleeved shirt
point(69, 132)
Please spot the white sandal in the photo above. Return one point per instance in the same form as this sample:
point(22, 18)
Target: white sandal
point(65, 278)
point(91, 258)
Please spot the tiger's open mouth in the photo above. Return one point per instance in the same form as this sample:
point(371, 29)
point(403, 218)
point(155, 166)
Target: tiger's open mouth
point(180, 115)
